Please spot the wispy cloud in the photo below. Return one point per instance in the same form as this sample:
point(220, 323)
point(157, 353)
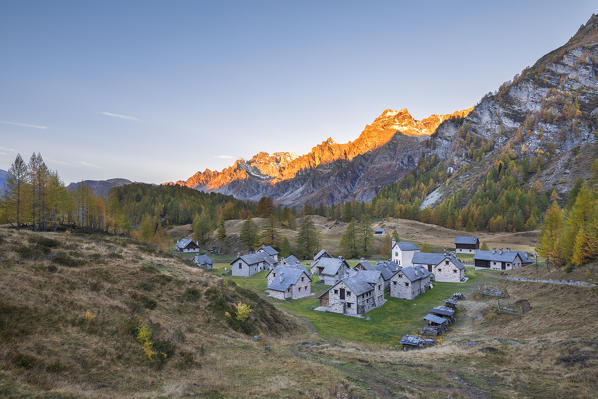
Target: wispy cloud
point(20, 124)
point(120, 116)
point(225, 156)
point(90, 165)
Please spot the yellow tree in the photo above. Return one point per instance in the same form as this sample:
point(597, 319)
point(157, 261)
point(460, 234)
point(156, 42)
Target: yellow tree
point(550, 234)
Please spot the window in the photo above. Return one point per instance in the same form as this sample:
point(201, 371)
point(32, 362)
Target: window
point(302, 279)
point(454, 270)
point(299, 289)
point(446, 262)
point(394, 283)
point(240, 265)
point(273, 274)
point(336, 291)
point(348, 304)
point(396, 253)
point(379, 285)
point(406, 284)
point(348, 293)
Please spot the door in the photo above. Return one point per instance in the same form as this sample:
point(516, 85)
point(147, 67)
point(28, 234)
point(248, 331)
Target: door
point(502, 266)
point(342, 293)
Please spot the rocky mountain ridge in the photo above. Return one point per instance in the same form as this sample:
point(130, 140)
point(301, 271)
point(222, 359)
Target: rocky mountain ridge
point(100, 187)
point(245, 177)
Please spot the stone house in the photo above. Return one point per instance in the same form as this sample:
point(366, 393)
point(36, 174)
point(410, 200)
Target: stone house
point(290, 260)
point(444, 267)
point(187, 245)
point(288, 282)
point(330, 270)
point(250, 264)
point(268, 250)
point(402, 253)
point(497, 259)
point(203, 261)
point(409, 282)
point(321, 254)
point(355, 294)
point(466, 244)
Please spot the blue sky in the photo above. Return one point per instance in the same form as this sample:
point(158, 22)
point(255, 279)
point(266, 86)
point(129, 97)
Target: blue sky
point(154, 91)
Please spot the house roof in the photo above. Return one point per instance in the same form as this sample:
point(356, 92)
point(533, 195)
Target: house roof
point(366, 265)
point(285, 277)
point(183, 242)
point(369, 276)
point(379, 230)
point(330, 265)
point(428, 258)
point(297, 266)
point(414, 273)
point(443, 311)
point(358, 284)
point(524, 257)
point(269, 250)
point(388, 269)
point(252, 259)
point(496, 256)
point(466, 240)
point(292, 259)
point(435, 319)
point(456, 262)
point(406, 246)
point(410, 340)
point(202, 259)
point(322, 252)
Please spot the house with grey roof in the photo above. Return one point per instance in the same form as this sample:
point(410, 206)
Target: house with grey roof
point(363, 265)
point(466, 244)
point(286, 282)
point(402, 253)
point(354, 295)
point(268, 250)
point(250, 264)
point(203, 261)
point(444, 267)
point(409, 282)
point(290, 260)
point(322, 254)
point(387, 269)
point(187, 245)
point(497, 259)
point(330, 270)
point(379, 230)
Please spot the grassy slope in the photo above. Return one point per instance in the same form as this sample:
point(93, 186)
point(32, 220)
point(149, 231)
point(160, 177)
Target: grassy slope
point(49, 348)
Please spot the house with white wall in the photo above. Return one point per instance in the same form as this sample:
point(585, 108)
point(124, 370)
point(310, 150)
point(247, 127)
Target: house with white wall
point(402, 253)
point(330, 270)
point(288, 282)
point(250, 264)
point(444, 267)
point(355, 294)
point(497, 259)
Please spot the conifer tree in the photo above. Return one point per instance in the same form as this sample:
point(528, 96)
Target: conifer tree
point(249, 236)
point(307, 239)
point(17, 182)
point(269, 234)
point(285, 248)
point(386, 246)
point(221, 230)
point(349, 245)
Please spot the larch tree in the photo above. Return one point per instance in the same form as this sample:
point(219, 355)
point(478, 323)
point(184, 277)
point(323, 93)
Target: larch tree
point(285, 248)
point(307, 239)
point(17, 181)
point(348, 244)
point(386, 246)
point(249, 234)
point(269, 234)
point(365, 236)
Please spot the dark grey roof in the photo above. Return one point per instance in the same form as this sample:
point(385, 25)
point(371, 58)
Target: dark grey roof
point(369, 276)
point(435, 319)
point(285, 277)
point(466, 240)
point(406, 246)
point(292, 259)
point(183, 242)
point(323, 252)
point(252, 259)
point(379, 230)
point(366, 265)
point(410, 340)
point(524, 257)
point(358, 284)
point(202, 260)
point(443, 311)
point(428, 258)
point(414, 273)
point(388, 269)
point(497, 256)
point(330, 265)
point(269, 250)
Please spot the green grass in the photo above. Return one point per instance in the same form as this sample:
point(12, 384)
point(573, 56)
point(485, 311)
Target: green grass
point(388, 323)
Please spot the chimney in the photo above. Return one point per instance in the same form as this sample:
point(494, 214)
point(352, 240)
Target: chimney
point(500, 251)
point(238, 254)
point(340, 257)
point(508, 249)
point(493, 250)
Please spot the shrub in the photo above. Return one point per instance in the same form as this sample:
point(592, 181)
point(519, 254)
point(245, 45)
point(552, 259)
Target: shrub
point(191, 295)
point(44, 241)
point(65, 260)
point(147, 302)
point(25, 361)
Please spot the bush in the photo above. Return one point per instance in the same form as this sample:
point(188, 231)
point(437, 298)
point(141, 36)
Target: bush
point(25, 361)
point(191, 295)
point(147, 302)
point(65, 260)
point(44, 241)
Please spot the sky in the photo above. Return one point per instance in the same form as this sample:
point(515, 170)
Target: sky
point(155, 91)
